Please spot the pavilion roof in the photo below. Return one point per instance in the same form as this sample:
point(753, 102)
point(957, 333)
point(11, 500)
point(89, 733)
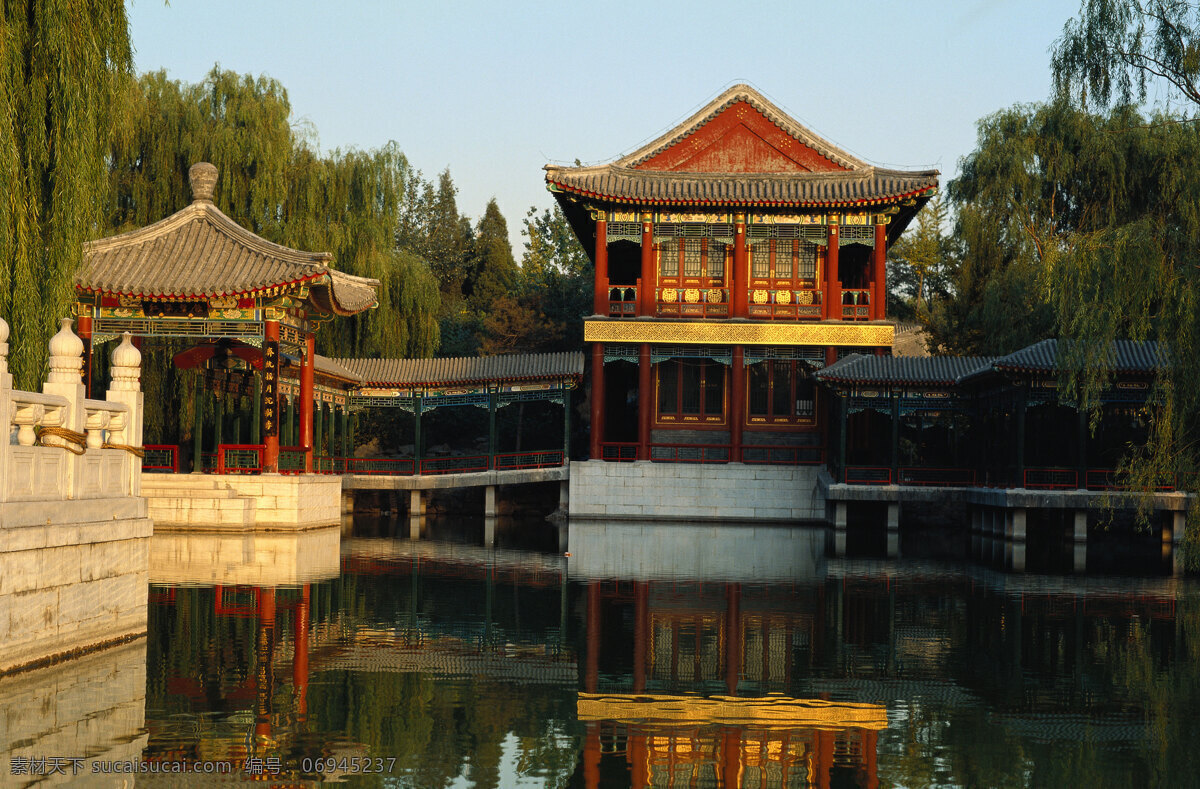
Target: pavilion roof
point(764, 157)
point(903, 370)
point(465, 370)
point(199, 253)
point(334, 369)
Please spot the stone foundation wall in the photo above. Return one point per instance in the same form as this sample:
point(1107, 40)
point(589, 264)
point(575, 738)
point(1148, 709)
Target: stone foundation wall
point(724, 491)
point(91, 708)
point(73, 576)
point(232, 502)
point(292, 500)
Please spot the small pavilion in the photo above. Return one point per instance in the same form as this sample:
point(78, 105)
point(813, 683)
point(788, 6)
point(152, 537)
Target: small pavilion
point(252, 307)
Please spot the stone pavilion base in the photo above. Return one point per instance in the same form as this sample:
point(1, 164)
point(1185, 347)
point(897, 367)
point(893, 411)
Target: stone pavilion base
point(232, 502)
point(685, 491)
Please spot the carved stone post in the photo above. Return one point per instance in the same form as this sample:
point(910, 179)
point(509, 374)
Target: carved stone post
point(126, 387)
point(66, 365)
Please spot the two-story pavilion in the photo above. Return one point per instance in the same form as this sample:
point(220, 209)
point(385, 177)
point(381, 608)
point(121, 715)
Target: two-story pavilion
point(734, 255)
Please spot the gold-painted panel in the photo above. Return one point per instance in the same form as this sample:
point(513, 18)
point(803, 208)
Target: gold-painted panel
point(729, 333)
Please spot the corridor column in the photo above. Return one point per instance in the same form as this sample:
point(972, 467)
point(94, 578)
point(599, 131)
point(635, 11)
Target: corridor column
point(739, 283)
point(269, 400)
point(600, 287)
point(833, 286)
point(879, 264)
point(306, 401)
point(596, 430)
point(737, 403)
point(646, 297)
point(645, 406)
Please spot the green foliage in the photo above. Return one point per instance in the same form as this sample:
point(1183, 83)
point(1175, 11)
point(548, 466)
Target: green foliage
point(919, 263)
point(1117, 48)
point(61, 68)
point(496, 273)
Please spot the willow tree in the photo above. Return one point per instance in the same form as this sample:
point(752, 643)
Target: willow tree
point(61, 65)
point(1139, 273)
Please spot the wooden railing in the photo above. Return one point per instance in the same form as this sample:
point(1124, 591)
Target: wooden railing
point(622, 301)
point(629, 451)
point(868, 475)
point(856, 304)
point(161, 458)
point(937, 477)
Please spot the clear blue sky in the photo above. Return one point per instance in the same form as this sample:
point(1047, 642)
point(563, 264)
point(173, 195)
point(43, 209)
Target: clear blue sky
point(494, 90)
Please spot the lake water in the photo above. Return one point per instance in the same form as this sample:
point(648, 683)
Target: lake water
point(652, 655)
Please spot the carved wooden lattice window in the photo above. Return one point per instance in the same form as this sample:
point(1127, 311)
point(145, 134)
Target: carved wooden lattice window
point(780, 391)
point(806, 260)
point(691, 390)
point(760, 260)
point(691, 257)
point(668, 258)
point(716, 260)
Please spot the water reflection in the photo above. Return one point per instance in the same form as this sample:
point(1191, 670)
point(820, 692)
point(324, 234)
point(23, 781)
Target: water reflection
point(651, 656)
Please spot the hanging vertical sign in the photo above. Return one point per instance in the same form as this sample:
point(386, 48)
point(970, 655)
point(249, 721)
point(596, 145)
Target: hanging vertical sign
point(270, 388)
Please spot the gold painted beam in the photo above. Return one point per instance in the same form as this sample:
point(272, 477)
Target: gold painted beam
point(738, 333)
point(767, 711)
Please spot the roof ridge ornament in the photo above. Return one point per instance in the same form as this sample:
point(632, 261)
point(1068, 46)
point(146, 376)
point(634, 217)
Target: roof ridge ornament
point(203, 179)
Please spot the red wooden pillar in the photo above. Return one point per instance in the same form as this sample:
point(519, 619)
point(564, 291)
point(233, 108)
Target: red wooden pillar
point(641, 634)
point(264, 658)
point(645, 401)
point(731, 756)
point(300, 624)
point(591, 756)
point(600, 297)
point(596, 435)
point(733, 637)
point(737, 402)
point(739, 283)
point(824, 757)
point(306, 400)
point(879, 280)
point(646, 296)
point(833, 285)
point(270, 396)
point(83, 328)
point(870, 744)
point(637, 749)
point(591, 667)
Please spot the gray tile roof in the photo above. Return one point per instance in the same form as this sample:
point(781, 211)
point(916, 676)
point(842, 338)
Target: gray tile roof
point(1124, 356)
point(199, 253)
point(860, 183)
point(463, 370)
point(334, 368)
point(872, 185)
point(911, 370)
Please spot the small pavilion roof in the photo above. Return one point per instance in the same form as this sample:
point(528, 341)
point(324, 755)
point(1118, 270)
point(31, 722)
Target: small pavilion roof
point(903, 370)
point(199, 253)
point(334, 369)
point(465, 370)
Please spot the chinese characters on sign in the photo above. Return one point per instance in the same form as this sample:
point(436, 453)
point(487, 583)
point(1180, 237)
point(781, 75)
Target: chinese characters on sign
point(270, 388)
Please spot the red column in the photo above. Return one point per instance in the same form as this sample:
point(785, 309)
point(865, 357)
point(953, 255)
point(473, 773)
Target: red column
point(641, 633)
point(591, 756)
point(639, 769)
point(870, 740)
point(300, 623)
point(271, 437)
point(600, 297)
point(83, 328)
point(739, 284)
point(596, 433)
point(306, 400)
point(879, 280)
point(264, 657)
point(733, 637)
point(833, 286)
point(737, 402)
point(646, 298)
point(645, 401)
point(591, 666)
point(731, 756)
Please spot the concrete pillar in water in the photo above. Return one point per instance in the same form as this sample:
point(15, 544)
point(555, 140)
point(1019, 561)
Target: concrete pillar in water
point(564, 536)
point(415, 504)
point(489, 501)
point(839, 528)
point(1079, 537)
point(489, 530)
point(893, 529)
point(347, 502)
point(564, 495)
